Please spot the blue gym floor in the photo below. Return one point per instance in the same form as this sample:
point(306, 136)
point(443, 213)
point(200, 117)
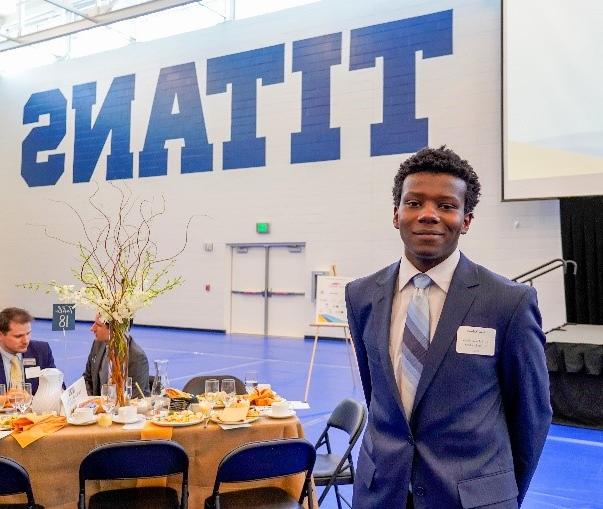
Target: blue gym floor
point(570, 473)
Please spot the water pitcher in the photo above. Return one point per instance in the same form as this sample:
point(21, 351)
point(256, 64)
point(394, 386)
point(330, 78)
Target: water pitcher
point(50, 388)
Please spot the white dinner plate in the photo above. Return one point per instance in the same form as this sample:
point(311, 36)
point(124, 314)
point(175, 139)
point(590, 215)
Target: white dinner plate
point(119, 420)
point(176, 424)
point(77, 422)
point(290, 413)
point(217, 420)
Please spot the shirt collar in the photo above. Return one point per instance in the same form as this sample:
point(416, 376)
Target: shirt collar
point(8, 356)
point(441, 274)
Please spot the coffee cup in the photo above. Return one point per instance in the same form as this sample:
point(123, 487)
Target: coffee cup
point(83, 414)
point(280, 408)
point(127, 413)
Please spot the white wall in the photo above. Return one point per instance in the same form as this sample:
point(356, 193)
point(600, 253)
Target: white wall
point(342, 209)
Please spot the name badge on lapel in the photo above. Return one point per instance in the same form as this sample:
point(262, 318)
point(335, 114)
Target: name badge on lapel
point(29, 361)
point(475, 340)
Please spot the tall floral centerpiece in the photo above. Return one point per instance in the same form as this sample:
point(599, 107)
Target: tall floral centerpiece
point(119, 273)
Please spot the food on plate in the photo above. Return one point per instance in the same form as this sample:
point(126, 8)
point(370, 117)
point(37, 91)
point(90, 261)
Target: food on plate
point(93, 402)
point(6, 421)
point(185, 416)
point(217, 397)
point(252, 412)
point(263, 397)
point(242, 402)
point(172, 393)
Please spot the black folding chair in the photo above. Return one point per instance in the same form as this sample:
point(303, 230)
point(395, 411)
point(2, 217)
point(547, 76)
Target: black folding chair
point(14, 479)
point(196, 385)
point(264, 460)
point(332, 470)
point(130, 460)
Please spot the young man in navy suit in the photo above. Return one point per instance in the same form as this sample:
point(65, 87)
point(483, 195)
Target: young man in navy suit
point(21, 356)
point(451, 359)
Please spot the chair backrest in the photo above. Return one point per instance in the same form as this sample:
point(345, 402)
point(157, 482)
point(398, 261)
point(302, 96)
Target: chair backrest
point(196, 385)
point(15, 479)
point(348, 416)
point(265, 460)
point(135, 458)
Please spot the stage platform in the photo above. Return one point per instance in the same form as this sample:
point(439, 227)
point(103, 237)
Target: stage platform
point(574, 355)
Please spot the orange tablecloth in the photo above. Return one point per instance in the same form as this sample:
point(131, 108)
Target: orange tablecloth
point(53, 462)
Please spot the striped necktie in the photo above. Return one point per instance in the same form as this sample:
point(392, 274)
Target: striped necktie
point(16, 375)
point(415, 341)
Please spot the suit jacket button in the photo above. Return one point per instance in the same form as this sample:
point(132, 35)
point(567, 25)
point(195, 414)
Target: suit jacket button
point(410, 440)
point(419, 491)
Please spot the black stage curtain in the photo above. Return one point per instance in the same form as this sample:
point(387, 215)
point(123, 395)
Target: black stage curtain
point(582, 241)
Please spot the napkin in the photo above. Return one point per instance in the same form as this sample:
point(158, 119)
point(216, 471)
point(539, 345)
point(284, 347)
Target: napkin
point(298, 405)
point(31, 427)
point(5, 433)
point(233, 414)
point(152, 432)
point(135, 425)
point(234, 426)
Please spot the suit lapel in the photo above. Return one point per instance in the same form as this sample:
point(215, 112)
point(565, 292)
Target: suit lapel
point(461, 294)
point(382, 308)
point(98, 359)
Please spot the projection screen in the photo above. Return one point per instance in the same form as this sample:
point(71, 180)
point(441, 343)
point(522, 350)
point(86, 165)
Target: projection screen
point(552, 95)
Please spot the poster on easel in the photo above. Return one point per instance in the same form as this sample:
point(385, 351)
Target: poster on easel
point(330, 300)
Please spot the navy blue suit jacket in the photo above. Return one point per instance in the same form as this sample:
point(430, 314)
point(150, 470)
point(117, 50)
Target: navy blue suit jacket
point(41, 352)
point(479, 422)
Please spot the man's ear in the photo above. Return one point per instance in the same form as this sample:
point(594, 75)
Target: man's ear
point(396, 219)
point(466, 222)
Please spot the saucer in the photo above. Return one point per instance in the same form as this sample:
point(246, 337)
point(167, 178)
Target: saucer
point(119, 420)
point(77, 422)
point(290, 413)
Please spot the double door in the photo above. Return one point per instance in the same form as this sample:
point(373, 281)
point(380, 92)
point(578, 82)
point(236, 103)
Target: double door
point(267, 291)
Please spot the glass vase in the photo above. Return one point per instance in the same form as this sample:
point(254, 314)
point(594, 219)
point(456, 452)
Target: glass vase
point(117, 351)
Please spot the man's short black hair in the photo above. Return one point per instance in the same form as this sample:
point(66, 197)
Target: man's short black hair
point(439, 160)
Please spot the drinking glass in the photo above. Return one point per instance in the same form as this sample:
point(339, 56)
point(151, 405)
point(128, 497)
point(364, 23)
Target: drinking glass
point(228, 386)
point(251, 381)
point(212, 387)
point(20, 396)
point(109, 397)
point(3, 398)
point(128, 389)
point(161, 405)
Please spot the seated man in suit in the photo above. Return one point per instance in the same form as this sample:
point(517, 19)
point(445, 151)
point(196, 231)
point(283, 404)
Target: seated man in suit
point(19, 352)
point(451, 358)
point(96, 373)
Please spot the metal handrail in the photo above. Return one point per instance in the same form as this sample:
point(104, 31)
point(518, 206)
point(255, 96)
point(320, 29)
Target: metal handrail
point(545, 268)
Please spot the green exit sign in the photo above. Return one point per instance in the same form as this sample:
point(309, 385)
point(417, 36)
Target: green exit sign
point(262, 227)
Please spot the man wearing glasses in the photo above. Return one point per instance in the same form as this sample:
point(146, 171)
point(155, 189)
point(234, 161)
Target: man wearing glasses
point(96, 373)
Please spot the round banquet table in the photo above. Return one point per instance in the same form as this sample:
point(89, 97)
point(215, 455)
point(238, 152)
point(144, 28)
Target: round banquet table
point(53, 461)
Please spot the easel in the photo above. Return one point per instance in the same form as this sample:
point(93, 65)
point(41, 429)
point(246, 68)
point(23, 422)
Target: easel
point(350, 349)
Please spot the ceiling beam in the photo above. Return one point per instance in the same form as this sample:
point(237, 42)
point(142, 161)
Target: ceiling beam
point(88, 22)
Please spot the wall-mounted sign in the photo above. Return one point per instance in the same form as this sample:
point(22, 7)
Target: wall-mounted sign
point(262, 227)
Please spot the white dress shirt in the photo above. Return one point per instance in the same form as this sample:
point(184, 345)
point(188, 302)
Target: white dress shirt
point(441, 276)
point(7, 357)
